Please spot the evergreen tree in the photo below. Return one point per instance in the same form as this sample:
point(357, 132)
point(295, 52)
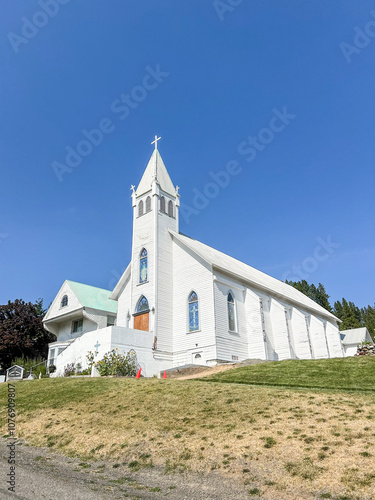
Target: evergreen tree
point(349, 314)
point(368, 318)
point(317, 294)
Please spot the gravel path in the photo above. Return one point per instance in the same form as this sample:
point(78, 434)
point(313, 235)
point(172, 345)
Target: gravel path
point(44, 475)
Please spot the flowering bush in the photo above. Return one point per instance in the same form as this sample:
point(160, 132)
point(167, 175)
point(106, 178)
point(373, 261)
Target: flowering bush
point(115, 363)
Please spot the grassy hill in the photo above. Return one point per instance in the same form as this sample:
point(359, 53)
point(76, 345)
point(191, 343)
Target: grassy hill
point(357, 373)
point(285, 443)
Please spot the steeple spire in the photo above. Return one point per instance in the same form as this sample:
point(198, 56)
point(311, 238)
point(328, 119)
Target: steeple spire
point(156, 171)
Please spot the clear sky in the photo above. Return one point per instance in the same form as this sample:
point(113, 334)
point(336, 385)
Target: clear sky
point(266, 89)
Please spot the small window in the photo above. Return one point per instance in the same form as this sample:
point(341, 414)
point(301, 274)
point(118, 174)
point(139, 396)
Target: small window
point(60, 350)
point(231, 313)
point(64, 301)
point(111, 320)
point(143, 305)
point(193, 312)
point(143, 266)
point(140, 208)
point(52, 357)
point(78, 326)
point(162, 204)
point(170, 209)
point(148, 204)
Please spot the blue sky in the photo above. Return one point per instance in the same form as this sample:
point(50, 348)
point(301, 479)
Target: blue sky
point(302, 207)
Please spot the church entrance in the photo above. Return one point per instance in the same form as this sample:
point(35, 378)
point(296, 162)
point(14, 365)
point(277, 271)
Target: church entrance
point(142, 315)
point(141, 322)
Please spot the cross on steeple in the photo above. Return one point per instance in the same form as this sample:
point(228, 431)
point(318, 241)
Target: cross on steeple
point(156, 141)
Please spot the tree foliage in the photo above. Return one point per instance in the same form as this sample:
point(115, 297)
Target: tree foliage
point(317, 293)
point(350, 314)
point(21, 331)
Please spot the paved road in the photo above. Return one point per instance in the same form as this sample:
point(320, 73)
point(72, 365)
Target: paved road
point(44, 475)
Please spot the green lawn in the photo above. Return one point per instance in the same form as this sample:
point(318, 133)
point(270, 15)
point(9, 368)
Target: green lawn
point(355, 373)
point(284, 441)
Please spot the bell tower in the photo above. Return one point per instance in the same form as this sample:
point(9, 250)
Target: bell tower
point(156, 205)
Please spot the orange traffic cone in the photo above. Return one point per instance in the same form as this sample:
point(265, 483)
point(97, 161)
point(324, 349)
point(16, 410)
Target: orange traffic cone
point(165, 374)
point(138, 373)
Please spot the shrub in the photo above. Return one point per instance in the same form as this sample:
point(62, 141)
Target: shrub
point(69, 370)
point(115, 363)
point(27, 363)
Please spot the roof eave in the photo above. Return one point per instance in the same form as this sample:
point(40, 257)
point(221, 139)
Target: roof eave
point(121, 282)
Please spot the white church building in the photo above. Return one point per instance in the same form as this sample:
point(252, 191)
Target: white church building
point(182, 302)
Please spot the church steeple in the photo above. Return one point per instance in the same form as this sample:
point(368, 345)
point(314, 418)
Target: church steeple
point(155, 172)
point(156, 203)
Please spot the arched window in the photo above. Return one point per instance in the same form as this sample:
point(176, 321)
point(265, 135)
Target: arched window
point(193, 312)
point(140, 208)
point(148, 204)
point(170, 209)
point(142, 305)
point(64, 301)
point(231, 313)
point(143, 266)
point(162, 204)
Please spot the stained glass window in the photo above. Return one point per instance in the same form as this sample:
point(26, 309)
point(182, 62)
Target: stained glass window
point(170, 209)
point(140, 208)
point(193, 312)
point(64, 301)
point(148, 204)
point(143, 266)
point(143, 304)
point(231, 313)
point(162, 204)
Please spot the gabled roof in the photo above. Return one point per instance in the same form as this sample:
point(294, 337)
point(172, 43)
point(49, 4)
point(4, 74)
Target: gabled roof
point(246, 273)
point(355, 336)
point(156, 170)
point(121, 282)
point(93, 297)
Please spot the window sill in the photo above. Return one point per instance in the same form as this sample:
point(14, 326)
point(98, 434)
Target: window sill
point(194, 331)
point(233, 332)
point(143, 283)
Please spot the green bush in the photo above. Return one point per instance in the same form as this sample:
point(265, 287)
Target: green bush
point(27, 363)
point(41, 369)
point(115, 363)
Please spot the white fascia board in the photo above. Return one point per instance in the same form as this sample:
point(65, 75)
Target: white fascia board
point(121, 282)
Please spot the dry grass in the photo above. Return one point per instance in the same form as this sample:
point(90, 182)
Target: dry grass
point(289, 444)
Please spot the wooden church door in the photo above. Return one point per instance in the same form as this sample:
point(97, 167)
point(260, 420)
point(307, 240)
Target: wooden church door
point(141, 322)
point(142, 315)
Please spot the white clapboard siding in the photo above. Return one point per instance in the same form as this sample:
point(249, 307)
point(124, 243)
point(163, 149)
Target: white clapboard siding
point(300, 334)
point(124, 305)
point(99, 318)
point(334, 340)
point(187, 357)
point(265, 303)
point(231, 346)
point(318, 338)
point(254, 326)
point(165, 280)
point(191, 273)
point(55, 308)
point(280, 331)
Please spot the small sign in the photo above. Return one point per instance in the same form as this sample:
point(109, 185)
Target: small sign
point(15, 373)
point(234, 358)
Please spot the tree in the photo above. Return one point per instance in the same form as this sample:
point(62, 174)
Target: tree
point(368, 317)
point(22, 332)
point(317, 294)
point(349, 314)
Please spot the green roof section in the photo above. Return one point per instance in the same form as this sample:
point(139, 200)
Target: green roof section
point(94, 297)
